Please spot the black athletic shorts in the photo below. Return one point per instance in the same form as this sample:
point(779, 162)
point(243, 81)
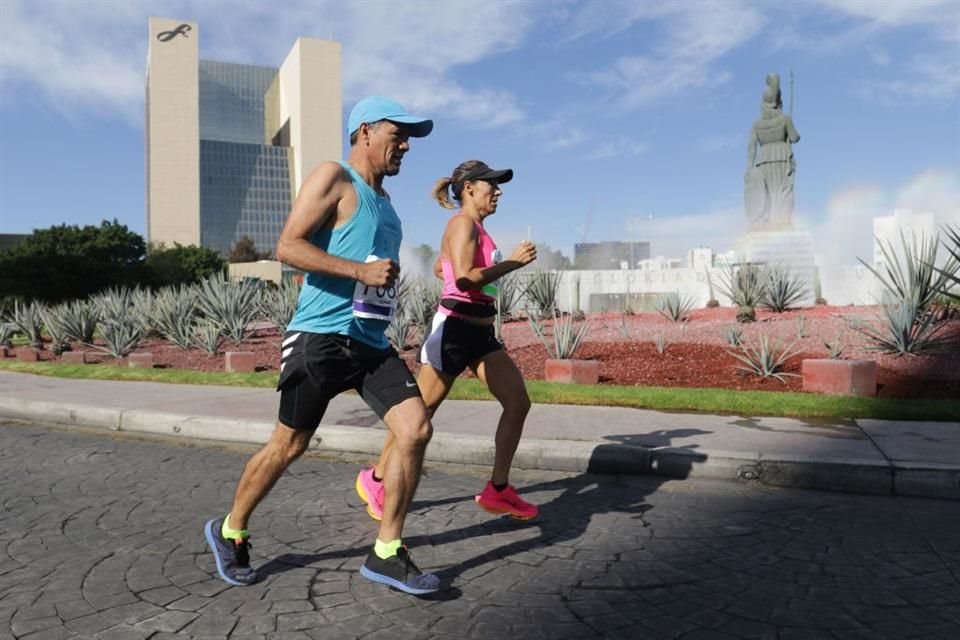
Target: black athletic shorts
point(315, 367)
point(455, 344)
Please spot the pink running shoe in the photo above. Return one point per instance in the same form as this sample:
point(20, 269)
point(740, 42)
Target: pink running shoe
point(371, 492)
point(506, 501)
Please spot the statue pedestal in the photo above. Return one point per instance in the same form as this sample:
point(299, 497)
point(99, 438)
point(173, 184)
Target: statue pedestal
point(788, 248)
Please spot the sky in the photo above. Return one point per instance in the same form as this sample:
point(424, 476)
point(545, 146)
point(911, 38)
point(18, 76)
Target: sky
point(621, 119)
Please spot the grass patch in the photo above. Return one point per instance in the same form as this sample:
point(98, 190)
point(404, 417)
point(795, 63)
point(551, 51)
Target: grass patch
point(716, 401)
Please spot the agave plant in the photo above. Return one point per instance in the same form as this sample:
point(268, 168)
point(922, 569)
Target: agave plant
point(542, 291)
point(566, 337)
point(120, 337)
point(660, 342)
point(802, 326)
point(909, 275)
point(175, 309)
point(734, 335)
point(54, 319)
point(905, 330)
point(233, 305)
point(908, 321)
point(835, 347)
point(783, 289)
point(765, 360)
point(950, 280)
point(80, 320)
point(115, 305)
point(142, 309)
point(745, 285)
point(28, 318)
point(280, 303)
point(400, 331)
point(208, 335)
point(7, 331)
point(421, 300)
point(673, 307)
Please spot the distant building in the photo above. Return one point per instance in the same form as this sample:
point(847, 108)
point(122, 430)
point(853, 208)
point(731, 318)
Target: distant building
point(700, 258)
point(227, 145)
point(609, 255)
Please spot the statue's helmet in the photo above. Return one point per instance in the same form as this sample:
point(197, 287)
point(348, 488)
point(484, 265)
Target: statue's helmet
point(771, 95)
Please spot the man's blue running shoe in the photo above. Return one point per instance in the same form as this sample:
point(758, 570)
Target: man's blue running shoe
point(399, 572)
point(232, 556)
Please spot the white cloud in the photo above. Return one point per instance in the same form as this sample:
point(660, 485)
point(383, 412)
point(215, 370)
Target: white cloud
point(930, 73)
point(711, 144)
point(846, 232)
point(673, 236)
point(90, 56)
point(695, 37)
point(619, 148)
point(927, 79)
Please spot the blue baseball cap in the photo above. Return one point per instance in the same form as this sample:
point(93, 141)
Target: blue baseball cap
point(375, 108)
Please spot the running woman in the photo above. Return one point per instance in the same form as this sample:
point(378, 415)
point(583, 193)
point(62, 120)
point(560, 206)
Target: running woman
point(463, 336)
point(344, 233)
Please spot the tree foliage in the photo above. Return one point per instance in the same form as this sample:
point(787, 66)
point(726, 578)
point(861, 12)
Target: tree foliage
point(245, 250)
point(182, 264)
point(69, 261)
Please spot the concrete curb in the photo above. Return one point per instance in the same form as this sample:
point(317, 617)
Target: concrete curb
point(852, 475)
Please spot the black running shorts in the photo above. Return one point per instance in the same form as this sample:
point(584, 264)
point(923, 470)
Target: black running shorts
point(455, 344)
point(315, 367)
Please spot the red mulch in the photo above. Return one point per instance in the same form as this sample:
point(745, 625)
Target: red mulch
point(697, 353)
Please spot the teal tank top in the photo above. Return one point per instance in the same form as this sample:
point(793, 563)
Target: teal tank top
point(330, 304)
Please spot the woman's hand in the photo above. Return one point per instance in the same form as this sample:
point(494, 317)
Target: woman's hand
point(525, 253)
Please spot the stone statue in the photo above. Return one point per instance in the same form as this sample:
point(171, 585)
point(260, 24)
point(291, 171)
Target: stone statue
point(768, 183)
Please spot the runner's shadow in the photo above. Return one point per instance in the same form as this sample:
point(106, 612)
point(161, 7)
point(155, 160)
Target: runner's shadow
point(567, 516)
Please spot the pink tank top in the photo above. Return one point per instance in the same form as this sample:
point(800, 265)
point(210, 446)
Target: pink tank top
point(486, 255)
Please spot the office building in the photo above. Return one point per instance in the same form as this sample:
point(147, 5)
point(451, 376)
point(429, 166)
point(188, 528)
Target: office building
point(227, 145)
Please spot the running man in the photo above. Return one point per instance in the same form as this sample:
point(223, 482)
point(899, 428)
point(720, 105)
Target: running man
point(344, 233)
point(463, 336)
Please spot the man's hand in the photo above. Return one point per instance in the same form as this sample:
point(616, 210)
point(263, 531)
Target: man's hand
point(525, 253)
point(379, 273)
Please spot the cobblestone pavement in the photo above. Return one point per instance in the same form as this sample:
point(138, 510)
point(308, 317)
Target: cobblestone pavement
point(101, 537)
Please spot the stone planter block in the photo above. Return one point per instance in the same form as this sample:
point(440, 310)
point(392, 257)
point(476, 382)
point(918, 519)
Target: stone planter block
point(575, 371)
point(7, 352)
point(840, 377)
point(74, 357)
point(240, 362)
point(27, 354)
point(140, 360)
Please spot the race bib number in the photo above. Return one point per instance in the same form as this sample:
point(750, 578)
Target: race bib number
point(492, 289)
point(375, 303)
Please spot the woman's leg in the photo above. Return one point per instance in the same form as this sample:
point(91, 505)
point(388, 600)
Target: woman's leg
point(505, 382)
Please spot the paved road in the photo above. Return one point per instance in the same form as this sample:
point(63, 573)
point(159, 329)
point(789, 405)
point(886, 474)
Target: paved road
point(101, 538)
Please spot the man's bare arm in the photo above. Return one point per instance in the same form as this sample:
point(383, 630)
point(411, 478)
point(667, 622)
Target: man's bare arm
point(316, 206)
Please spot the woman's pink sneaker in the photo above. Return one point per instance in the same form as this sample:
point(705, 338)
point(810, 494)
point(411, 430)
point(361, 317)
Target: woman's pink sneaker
point(506, 501)
point(371, 492)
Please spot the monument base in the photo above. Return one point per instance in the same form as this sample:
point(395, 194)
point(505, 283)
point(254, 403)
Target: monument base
point(787, 248)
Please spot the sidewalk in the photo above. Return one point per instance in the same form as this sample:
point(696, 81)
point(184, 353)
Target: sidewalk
point(860, 456)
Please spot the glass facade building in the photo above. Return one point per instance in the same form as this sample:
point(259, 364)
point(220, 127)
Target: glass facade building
point(245, 184)
point(228, 145)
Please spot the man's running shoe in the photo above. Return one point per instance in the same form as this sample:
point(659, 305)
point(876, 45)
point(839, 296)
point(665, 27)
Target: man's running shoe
point(232, 556)
point(371, 492)
point(399, 572)
point(506, 501)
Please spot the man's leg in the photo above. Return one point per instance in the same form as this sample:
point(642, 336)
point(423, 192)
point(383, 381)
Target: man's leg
point(434, 387)
point(264, 469)
point(227, 536)
point(389, 562)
